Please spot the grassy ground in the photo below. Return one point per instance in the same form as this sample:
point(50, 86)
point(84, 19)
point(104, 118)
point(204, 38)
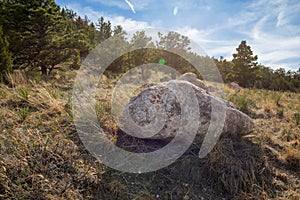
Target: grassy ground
point(277, 131)
point(43, 158)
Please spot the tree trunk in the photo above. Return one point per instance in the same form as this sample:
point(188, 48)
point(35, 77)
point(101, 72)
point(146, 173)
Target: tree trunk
point(44, 71)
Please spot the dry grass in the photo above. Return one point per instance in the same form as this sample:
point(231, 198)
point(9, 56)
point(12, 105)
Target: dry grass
point(278, 133)
point(239, 167)
point(41, 156)
point(291, 158)
point(144, 196)
point(17, 78)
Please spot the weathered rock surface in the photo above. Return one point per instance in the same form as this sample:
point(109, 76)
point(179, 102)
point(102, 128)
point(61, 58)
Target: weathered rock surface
point(144, 108)
point(192, 78)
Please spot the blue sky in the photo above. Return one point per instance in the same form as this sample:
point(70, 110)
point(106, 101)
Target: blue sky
point(271, 28)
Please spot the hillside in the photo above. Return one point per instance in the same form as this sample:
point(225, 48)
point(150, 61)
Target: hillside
point(42, 156)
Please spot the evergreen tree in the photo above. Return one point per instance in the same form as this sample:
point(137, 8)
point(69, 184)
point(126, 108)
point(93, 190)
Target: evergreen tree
point(263, 77)
point(224, 68)
point(104, 29)
point(139, 41)
point(117, 45)
point(142, 55)
point(174, 41)
point(92, 35)
point(178, 44)
point(243, 65)
point(37, 32)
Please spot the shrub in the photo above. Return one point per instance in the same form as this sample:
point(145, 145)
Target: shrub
point(242, 102)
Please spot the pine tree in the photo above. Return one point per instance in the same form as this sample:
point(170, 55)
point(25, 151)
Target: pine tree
point(104, 29)
point(178, 45)
point(243, 65)
point(117, 46)
point(174, 41)
point(92, 34)
point(38, 33)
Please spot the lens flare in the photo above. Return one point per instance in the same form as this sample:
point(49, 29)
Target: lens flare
point(175, 10)
point(161, 61)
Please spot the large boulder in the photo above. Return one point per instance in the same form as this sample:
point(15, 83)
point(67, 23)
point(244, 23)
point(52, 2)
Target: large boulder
point(160, 100)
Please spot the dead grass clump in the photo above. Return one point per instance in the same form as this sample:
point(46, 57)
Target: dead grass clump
point(116, 189)
point(238, 166)
point(233, 167)
point(106, 120)
point(17, 78)
point(42, 99)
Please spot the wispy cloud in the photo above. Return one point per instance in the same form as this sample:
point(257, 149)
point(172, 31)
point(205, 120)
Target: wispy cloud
point(268, 28)
point(130, 5)
point(281, 19)
point(272, 37)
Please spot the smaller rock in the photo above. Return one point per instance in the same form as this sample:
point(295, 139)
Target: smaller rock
point(234, 85)
point(192, 78)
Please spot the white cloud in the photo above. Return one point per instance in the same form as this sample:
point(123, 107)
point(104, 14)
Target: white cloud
point(126, 23)
point(275, 51)
point(276, 56)
point(211, 47)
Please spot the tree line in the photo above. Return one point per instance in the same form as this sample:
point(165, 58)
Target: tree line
point(245, 70)
point(39, 35)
